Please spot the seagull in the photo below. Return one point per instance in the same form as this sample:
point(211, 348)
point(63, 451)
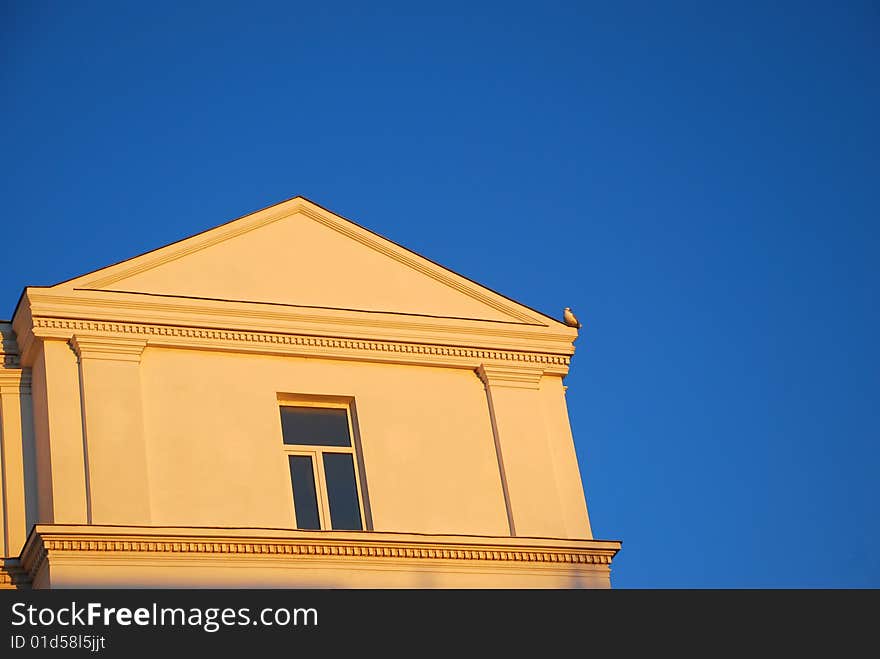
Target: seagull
point(570, 319)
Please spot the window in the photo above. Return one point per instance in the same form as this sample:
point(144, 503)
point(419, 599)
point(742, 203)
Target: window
point(323, 466)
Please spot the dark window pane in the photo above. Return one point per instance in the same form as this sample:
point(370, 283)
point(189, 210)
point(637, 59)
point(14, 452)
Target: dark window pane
point(315, 426)
point(345, 514)
point(305, 501)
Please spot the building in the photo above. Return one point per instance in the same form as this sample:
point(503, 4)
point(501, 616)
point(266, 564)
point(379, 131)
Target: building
point(288, 400)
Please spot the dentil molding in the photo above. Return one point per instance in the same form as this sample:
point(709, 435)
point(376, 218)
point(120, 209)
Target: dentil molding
point(47, 541)
point(117, 340)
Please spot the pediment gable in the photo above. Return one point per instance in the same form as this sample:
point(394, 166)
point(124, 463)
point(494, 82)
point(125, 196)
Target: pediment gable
point(298, 254)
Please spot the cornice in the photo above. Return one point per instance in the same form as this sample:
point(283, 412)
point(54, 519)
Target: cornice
point(46, 542)
point(12, 575)
point(22, 325)
point(9, 352)
point(10, 361)
point(111, 348)
point(109, 338)
point(252, 316)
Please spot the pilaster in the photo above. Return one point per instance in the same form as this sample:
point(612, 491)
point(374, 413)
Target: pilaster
point(58, 439)
point(15, 385)
point(526, 468)
point(113, 428)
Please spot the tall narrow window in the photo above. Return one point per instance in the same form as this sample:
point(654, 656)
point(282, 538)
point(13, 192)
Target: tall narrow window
point(323, 467)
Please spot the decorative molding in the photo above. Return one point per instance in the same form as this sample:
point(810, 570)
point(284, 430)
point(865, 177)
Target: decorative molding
point(12, 575)
point(15, 381)
point(110, 348)
point(503, 375)
point(238, 317)
point(43, 545)
point(132, 306)
point(324, 549)
point(9, 353)
point(22, 325)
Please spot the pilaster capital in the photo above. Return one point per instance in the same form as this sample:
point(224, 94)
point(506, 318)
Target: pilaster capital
point(502, 375)
point(111, 348)
point(9, 355)
point(15, 381)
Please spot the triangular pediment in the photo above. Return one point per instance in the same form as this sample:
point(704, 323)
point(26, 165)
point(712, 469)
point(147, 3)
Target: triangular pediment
point(299, 254)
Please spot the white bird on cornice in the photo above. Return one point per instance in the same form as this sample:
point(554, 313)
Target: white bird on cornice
point(570, 319)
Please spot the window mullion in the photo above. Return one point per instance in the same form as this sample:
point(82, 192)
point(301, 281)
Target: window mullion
point(287, 455)
point(323, 499)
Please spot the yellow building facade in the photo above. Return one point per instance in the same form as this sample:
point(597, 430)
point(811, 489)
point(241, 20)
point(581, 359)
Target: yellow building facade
point(288, 400)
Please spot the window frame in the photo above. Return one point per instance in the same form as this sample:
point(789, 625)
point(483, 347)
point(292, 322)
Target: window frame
point(316, 453)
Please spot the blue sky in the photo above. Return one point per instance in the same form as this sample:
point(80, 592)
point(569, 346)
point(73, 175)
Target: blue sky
point(698, 181)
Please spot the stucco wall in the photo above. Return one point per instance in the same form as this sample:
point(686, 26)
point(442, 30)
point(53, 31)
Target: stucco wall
point(214, 447)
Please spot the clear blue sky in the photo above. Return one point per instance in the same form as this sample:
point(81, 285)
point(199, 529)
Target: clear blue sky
point(699, 181)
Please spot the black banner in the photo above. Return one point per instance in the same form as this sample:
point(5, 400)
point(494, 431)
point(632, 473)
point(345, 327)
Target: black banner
point(132, 622)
